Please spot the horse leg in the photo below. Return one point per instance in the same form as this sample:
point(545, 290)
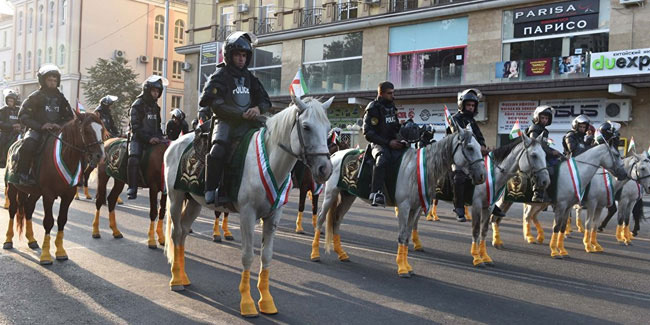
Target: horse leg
point(153, 213)
point(330, 202)
point(557, 227)
point(433, 214)
point(592, 227)
point(637, 214)
point(528, 237)
point(224, 226)
point(48, 223)
point(401, 259)
point(161, 217)
point(417, 244)
point(564, 222)
point(11, 195)
point(60, 253)
point(314, 210)
point(247, 225)
point(86, 177)
point(477, 261)
point(341, 210)
point(301, 209)
point(6, 206)
point(578, 210)
point(174, 243)
point(626, 231)
point(468, 215)
point(496, 234)
point(112, 200)
point(266, 304)
point(216, 235)
point(189, 214)
point(538, 226)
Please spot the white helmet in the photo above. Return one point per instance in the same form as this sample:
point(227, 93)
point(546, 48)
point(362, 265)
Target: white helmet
point(177, 113)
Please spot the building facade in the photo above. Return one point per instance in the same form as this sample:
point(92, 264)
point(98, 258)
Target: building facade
point(73, 34)
point(520, 53)
point(6, 34)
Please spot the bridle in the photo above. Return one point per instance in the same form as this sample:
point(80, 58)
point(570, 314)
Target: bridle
point(638, 177)
point(534, 172)
point(471, 162)
point(84, 150)
point(304, 153)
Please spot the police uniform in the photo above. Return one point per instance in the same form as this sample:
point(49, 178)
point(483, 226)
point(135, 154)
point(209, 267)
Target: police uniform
point(380, 127)
point(534, 131)
point(104, 113)
point(229, 93)
point(173, 129)
point(8, 118)
point(45, 105)
point(575, 142)
point(202, 116)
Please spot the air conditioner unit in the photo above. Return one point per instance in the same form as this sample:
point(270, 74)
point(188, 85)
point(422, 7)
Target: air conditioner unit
point(482, 115)
point(119, 54)
point(143, 59)
point(631, 2)
point(242, 8)
point(618, 110)
point(186, 66)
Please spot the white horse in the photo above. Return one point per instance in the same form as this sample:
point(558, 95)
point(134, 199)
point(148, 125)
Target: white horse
point(297, 132)
point(599, 196)
point(587, 164)
point(460, 149)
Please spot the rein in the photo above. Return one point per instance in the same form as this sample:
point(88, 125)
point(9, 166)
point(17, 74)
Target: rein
point(83, 150)
point(521, 154)
point(302, 156)
point(480, 160)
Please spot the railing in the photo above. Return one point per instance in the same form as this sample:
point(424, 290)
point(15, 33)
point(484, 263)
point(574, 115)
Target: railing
point(345, 10)
point(224, 31)
point(311, 17)
point(403, 5)
point(265, 26)
point(446, 2)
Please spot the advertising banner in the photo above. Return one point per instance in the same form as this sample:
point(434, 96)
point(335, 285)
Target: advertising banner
point(571, 64)
point(507, 69)
point(556, 18)
point(433, 113)
point(511, 111)
point(618, 63)
point(555, 10)
point(538, 67)
point(209, 58)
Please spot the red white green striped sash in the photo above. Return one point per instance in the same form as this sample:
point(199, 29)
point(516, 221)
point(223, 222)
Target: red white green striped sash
point(277, 196)
point(423, 193)
point(493, 193)
point(68, 177)
point(316, 188)
point(638, 187)
point(609, 187)
point(575, 178)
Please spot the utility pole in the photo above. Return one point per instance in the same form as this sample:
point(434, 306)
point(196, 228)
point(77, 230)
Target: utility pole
point(166, 38)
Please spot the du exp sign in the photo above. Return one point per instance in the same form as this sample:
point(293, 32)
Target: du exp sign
point(617, 63)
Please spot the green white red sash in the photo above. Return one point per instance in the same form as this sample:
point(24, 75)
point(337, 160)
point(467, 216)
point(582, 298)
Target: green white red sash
point(277, 196)
point(575, 178)
point(493, 193)
point(609, 187)
point(423, 193)
point(316, 188)
point(638, 187)
point(68, 177)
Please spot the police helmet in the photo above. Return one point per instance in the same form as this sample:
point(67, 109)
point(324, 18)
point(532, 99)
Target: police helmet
point(239, 41)
point(581, 119)
point(154, 81)
point(108, 100)
point(10, 93)
point(410, 131)
point(466, 95)
point(49, 70)
point(177, 113)
point(543, 110)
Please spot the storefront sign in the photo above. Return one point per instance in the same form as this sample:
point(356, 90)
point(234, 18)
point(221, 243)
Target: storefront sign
point(557, 26)
point(433, 113)
point(538, 67)
point(512, 111)
point(619, 63)
point(556, 10)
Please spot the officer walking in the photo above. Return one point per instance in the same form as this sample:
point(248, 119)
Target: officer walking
point(176, 125)
point(9, 124)
point(104, 113)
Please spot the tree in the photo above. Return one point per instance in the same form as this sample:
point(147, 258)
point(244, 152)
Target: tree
point(112, 77)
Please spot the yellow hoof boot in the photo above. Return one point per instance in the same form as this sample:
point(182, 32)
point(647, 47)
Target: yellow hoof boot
point(627, 234)
point(88, 197)
point(315, 255)
point(417, 244)
point(266, 304)
point(299, 229)
point(531, 240)
point(152, 239)
point(402, 266)
point(112, 223)
point(468, 216)
point(314, 220)
point(555, 253)
point(6, 206)
point(476, 255)
point(176, 283)
point(60, 253)
point(76, 196)
point(96, 233)
point(119, 201)
point(160, 233)
point(246, 304)
point(540, 238)
point(343, 256)
point(560, 245)
point(46, 258)
point(482, 250)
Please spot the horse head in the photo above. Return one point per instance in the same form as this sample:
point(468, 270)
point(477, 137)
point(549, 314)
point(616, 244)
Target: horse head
point(92, 135)
point(640, 171)
point(611, 160)
point(309, 137)
point(467, 156)
point(534, 161)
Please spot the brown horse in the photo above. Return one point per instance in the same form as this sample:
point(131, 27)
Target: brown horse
point(80, 139)
point(153, 177)
point(307, 185)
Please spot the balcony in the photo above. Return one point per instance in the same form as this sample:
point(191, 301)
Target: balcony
point(446, 2)
point(404, 5)
point(345, 10)
point(224, 31)
point(265, 26)
point(311, 17)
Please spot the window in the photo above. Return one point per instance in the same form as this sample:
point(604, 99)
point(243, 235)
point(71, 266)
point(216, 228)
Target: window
point(28, 61)
point(50, 55)
point(177, 70)
point(430, 68)
point(61, 55)
point(30, 20)
point(267, 67)
point(20, 23)
point(158, 66)
point(347, 9)
point(159, 27)
point(19, 62)
point(39, 58)
point(51, 14)
point(176, 101)
point(4, 39)
point(333, 63)
point(179, 30)
point(63, 15)
point(40, 18)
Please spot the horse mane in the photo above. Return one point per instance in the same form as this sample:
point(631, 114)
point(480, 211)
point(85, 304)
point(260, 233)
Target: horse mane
point(279, 123)
point(439, 154)
point(71, 130)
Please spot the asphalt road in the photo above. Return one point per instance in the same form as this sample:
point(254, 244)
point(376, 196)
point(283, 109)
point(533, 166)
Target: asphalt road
point(122, 281)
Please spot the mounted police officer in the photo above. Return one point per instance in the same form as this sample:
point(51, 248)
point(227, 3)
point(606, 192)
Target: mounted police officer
point(104, 113)
point(176, 125)
point(144, 128)
point(543, 117)
point(202, 116)
point(577, 141)
point(9, 125)
point(44, 112)
point(468, 101)
point(237, 98)
point(381, 128)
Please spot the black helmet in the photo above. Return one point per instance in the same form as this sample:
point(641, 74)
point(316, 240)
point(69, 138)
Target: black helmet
point(10, 93)
point(239, 41)
point(466, 95)
point(49, 70)
point(543, 110)
point(581, 119)
point(609, 130)
point(154, 81)
point(410, 131)
point(108, 100)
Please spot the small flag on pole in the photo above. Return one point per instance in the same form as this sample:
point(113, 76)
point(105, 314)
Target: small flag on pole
point(516, 131)
point(334, 136)
point(80, 107)
point(632, 145)
point(599, 136)
point(550, 142)
point(447, 117)
point(298, 86)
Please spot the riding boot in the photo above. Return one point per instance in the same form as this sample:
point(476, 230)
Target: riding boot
point(637, 214)
point(25, 158)
point(376, 196)
point(132, 177)
point(459, 195)
point(213, 174)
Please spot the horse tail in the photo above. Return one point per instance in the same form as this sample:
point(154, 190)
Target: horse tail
point(20, 212)
point(329, 229)
point(169, 244)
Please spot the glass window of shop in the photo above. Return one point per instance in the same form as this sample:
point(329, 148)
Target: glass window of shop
point(556, 30)
point(418, 60)
point(267, 67)
point(333, 64)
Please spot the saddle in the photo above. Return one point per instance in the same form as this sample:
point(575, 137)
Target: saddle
point(519, 188)
point(11, 171)
point(117, 161)
point(445, 190)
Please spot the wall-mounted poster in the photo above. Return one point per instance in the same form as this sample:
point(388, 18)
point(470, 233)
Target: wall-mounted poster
point(507, 69)
point(538, 67)
point(570, 64)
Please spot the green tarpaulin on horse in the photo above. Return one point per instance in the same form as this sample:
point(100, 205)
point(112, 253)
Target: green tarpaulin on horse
point(359, 185)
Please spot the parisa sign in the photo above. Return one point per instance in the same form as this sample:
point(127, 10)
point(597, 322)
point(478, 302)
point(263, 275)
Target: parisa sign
point(556, 18)
point(618, 63)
